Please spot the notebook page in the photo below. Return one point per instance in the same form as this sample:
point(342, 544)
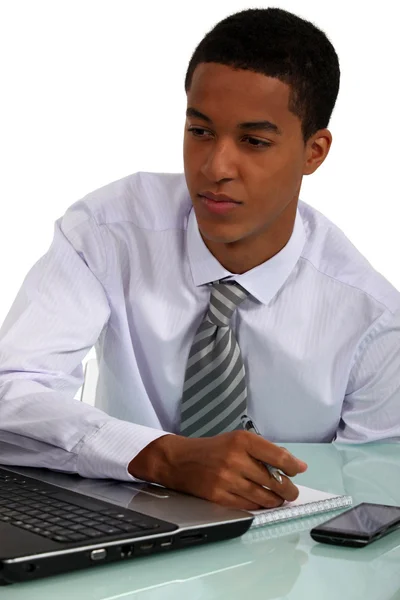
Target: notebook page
point(306, 495)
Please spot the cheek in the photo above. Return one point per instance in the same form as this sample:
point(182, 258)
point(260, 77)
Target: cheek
point(280, 173)
point(193, 160)
point(273, 185)
point(190, 156)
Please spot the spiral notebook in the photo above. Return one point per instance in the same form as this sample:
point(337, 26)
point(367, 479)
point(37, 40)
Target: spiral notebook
point(309, 502)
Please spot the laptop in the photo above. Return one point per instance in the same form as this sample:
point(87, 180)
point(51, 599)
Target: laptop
point(52, 522)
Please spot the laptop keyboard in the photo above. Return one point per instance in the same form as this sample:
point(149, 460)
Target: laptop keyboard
point(27, 503)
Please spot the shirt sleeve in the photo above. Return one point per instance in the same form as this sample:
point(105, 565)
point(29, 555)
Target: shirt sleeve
point(56, 318)
point(371, 408)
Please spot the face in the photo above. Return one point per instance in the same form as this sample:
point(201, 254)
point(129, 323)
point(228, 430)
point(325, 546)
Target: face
point(242, 141)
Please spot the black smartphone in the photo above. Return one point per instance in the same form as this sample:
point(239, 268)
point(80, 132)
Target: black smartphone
point(358, 526)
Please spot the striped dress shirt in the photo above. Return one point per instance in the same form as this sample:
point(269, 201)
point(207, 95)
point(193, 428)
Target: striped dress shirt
point(127, 271)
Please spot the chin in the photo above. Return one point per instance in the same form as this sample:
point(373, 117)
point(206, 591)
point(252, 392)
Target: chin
point(219, 234)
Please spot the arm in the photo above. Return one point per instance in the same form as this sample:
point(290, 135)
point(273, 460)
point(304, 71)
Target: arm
point(55, 319)
point(371, 409)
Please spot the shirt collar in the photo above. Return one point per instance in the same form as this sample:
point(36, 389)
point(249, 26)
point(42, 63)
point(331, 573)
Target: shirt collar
point(262, 282)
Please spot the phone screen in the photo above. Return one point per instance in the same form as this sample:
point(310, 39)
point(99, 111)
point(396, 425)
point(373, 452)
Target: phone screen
point(365, 519)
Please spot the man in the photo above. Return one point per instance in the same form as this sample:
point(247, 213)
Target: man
point(209, 295)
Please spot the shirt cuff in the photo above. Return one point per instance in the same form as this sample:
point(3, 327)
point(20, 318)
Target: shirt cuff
point(108, 452)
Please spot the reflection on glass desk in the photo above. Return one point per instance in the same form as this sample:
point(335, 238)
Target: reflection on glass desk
point(275, 561)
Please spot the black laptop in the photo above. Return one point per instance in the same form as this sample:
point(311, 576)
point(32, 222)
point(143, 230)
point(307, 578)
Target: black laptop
point(53, 523)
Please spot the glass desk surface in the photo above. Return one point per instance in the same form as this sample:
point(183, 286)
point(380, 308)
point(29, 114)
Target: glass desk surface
point(274, 561)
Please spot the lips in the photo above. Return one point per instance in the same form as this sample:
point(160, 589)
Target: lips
point(219, 197)
point(218, 204)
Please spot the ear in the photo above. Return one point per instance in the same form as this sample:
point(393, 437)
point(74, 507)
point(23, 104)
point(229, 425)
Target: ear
point(317, 149)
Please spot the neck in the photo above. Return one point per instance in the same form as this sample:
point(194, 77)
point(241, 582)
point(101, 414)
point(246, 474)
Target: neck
point(245, 254)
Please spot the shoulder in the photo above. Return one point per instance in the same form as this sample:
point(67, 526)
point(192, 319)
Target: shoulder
point(330, 252)
point(154, 201)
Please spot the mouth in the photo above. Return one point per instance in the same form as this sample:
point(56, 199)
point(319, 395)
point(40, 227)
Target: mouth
point(218, 204)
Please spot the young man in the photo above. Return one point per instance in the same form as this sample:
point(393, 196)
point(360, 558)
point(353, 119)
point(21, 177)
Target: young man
point(209, 295)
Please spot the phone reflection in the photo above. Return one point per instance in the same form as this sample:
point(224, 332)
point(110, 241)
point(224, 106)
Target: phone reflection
point(372, 572)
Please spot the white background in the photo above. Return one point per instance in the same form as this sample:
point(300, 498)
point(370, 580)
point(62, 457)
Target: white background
point(94, 90)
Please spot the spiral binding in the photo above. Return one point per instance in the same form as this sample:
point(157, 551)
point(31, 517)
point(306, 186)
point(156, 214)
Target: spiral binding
point(279, 515)
point(281, 529)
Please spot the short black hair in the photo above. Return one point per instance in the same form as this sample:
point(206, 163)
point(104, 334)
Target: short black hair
point(277, 43)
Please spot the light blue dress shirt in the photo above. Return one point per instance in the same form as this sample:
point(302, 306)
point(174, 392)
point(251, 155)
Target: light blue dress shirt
point(126, 272)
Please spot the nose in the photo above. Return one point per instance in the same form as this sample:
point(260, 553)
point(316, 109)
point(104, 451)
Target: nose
point(221, 161)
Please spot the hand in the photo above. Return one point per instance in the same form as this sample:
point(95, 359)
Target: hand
point(225, 469)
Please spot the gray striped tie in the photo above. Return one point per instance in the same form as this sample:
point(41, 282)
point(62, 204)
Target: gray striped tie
point(215, 394)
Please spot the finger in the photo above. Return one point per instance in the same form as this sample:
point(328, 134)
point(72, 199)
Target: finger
point(279, 457)
point(259, 474)
point(303, 465)
point(257, 494)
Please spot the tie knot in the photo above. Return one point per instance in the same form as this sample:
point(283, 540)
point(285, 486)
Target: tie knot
point(225, 298)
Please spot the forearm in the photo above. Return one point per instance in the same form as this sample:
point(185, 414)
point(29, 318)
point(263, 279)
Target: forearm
point(45, 429)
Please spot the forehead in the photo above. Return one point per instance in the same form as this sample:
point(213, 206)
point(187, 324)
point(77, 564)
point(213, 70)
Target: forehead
point(224, 93)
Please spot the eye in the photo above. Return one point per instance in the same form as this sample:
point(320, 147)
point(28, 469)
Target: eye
point(202, 133)
point(198, 132)
point(256, 143)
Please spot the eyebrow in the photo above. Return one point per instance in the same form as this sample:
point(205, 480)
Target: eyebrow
point(252, 125)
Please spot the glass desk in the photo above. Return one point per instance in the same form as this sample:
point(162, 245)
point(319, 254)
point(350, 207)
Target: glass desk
point(276, 561)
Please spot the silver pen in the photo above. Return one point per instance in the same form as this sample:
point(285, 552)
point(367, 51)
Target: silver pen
point(249, 425)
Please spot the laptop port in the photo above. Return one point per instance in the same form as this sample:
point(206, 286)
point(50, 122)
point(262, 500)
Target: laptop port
point(192, 538)
point(126, 550)
point(166, 543)
point(146, 546)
